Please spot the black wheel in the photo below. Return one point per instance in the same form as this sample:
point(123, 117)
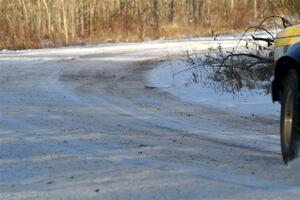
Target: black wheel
point(289, 120)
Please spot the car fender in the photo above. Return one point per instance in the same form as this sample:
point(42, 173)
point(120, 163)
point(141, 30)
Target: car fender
point(290, 60)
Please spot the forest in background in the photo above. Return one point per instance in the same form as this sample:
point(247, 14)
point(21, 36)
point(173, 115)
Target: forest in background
point(50, 23)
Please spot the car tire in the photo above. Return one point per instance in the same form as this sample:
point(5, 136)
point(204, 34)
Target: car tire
point(290, 116)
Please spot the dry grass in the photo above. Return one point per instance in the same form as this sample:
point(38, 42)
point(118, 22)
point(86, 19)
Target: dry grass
point(51, 23)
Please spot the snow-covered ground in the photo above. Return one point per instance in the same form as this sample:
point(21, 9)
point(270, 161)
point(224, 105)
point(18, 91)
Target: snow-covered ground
point(86, 123)
point(245, 103)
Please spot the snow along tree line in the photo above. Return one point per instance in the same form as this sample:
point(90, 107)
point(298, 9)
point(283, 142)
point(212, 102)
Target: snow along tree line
point(45, 23)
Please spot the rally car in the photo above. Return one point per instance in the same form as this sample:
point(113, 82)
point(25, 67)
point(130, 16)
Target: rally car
point(286, 89)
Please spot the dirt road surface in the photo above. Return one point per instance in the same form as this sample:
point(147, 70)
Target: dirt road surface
point(79, 123)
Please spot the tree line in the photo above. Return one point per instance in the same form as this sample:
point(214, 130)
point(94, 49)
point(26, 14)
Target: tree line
point(47, 23)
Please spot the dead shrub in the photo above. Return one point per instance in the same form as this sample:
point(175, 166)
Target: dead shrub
point(249, 66)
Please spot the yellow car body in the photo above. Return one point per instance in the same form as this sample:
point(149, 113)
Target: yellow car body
point(285, 39)
point(288, 36)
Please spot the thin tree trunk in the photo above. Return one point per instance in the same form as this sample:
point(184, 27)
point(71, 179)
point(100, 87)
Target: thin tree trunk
point(49, 29)
point(65, 23)
point(232, 6)
point(255, 9)
point(170, 10)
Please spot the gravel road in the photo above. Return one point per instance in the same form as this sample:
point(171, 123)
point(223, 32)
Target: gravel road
point(82, 123)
